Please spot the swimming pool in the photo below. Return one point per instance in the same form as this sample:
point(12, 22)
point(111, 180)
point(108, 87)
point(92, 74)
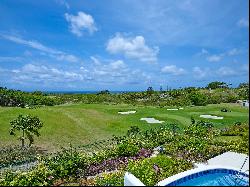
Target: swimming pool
point(215, 177)
point(208, 176)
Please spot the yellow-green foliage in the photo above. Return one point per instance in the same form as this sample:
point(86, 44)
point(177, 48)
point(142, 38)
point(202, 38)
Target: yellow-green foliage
point(152, 170)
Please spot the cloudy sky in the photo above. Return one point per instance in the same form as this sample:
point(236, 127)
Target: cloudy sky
point(122, 44)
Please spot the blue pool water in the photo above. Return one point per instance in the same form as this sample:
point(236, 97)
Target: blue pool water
point(216, 177)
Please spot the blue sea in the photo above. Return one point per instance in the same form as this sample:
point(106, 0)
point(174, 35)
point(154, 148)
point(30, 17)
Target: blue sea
point(83, 92)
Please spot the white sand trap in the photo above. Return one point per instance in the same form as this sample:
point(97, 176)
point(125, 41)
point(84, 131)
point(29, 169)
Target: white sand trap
point(151, 120)
point(128, 112)
point(210, 117)
point(172, 109)
point(181, 108)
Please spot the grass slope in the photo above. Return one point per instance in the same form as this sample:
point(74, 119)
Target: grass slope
point(84, 123)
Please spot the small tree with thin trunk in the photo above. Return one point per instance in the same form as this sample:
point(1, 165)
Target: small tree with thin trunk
point(28, 126)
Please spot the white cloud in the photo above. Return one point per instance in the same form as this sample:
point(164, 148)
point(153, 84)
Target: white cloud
point(59, 55)
point(134, 48)
point(200, 73)
point(214, 58)
point(63, 3)
point(172, 69)
point(119, 64)
point(10, 59)
point(243, 23)
point(233, 52)
point(41, 73)
point(226, 71)
point(95, 60)
point(69, 58)
point(113, 69)
point(81, 22)
point(204, 51)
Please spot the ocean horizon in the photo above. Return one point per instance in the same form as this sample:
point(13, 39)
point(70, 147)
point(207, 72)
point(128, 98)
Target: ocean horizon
point(83, 92)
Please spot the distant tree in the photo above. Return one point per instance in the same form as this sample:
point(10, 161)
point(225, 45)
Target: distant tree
point(243, 85)
point(38, 93)
point(103, 92)
point(161, 89)
point(150, 90)
point(217, 84)
point(28, 126)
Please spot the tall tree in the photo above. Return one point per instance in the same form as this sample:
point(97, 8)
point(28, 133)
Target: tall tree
point(150, 90)
point(217, 84)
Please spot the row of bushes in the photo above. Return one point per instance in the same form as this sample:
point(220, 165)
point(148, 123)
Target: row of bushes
point(15, 98)
point(176, 97)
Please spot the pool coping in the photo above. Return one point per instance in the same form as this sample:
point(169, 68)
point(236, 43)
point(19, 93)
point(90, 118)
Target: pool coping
point(193, 171)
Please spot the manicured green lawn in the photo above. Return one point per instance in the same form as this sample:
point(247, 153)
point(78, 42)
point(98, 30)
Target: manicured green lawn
point(84, 123)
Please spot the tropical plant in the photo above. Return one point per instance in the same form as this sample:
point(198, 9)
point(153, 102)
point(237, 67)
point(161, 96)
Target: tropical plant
point(28, 126)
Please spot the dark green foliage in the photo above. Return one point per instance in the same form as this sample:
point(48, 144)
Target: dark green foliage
point(243, 85)
point(225, 110)
point(217, 84)
point(133, 131)
point(176, 97)
point(198, 99)
point(150, 90)
point(16, 98)
point(103, 92)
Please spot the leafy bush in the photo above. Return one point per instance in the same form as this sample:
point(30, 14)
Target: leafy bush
point(127, 149)
point(40, 176)
point(236, 130)
point(16, 98)
point(152, 170)
point(16, 155)
point(65, 163)
point(112, 164)
point(198, 99)
point(111, 179)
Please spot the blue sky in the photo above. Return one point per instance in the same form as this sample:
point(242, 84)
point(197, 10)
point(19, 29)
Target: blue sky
point(122, 45)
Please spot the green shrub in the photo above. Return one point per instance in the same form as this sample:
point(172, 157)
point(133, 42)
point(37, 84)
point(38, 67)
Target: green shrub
point(66, 163)
point(127, 149)
point(198, 99)
point(16, 155)
point(39, 176)
point(111, 179)
point(152, 170)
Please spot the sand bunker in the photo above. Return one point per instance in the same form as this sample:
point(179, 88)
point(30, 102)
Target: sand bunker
point(211, 117)
point(172, 109)
point(151, 120)
point(128, 112)
point(181, 108)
